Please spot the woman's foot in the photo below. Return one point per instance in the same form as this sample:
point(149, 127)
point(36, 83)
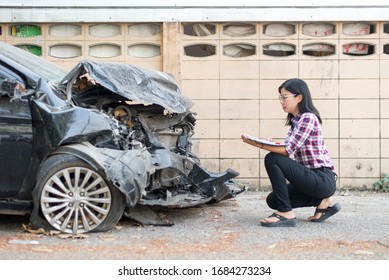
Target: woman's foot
point(280, 219)
point(323, 205)
point(324, 210)
point(273, 218)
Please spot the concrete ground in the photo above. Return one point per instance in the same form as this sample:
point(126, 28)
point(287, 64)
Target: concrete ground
point(228, 230)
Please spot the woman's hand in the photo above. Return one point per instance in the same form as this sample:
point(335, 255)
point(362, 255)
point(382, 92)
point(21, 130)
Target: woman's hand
point(244, 138)
point(251, 142)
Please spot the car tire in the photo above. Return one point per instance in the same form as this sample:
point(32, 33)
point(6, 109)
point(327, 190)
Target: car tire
point(72, 197)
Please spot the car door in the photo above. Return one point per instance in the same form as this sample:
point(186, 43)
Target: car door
point(15, 138)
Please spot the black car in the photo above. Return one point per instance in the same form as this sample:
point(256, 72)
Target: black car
point(79, 150)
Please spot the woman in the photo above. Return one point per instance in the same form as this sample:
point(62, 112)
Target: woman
point(309, 178)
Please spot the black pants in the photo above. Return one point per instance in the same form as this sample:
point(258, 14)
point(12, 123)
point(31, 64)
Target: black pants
point(306, 187)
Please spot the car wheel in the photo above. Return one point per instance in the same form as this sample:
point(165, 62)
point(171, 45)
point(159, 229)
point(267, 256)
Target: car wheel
point(75, 198)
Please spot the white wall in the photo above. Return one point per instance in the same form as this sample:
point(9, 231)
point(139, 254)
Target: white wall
point(190, 11)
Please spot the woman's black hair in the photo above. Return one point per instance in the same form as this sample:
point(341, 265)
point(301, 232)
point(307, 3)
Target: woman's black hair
point(297, 87)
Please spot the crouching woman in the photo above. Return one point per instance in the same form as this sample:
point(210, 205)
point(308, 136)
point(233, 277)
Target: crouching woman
point(301, 172)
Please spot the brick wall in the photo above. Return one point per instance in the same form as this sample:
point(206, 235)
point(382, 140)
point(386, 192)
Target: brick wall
point(344, 64)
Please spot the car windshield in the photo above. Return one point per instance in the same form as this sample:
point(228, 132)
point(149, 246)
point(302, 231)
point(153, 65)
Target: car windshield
point(39, 66)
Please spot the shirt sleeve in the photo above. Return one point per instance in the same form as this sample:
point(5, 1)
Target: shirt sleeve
point(299, 134)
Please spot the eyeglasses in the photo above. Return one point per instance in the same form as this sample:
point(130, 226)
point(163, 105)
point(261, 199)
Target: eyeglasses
point(282, 98)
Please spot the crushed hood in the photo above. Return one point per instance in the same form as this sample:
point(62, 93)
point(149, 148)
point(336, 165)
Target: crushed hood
point(134, 83)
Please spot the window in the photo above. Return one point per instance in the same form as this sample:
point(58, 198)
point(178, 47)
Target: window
point(318, 29)
point(105, 50)
point(200, 50)
point(239, 30)
point(34, 49)
point(5, 73)
point(318, 49)
point(358, 49)
point(199, 29)
point(65, 30)
point(386, 28)
point(279, 29)
point(386, 49)
point(239, 50)
point(144, 50)
point(280, 49)
point(65, 51)
point(25, 31)
point(105, 30)
point(144, 29)
point(358, 29)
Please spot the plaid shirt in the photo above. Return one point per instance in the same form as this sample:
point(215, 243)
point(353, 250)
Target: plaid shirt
point(305, 142)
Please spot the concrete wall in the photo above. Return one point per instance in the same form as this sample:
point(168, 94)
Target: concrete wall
point(236, 95)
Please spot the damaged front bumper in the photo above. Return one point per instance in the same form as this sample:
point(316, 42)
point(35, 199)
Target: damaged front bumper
point(141, 176)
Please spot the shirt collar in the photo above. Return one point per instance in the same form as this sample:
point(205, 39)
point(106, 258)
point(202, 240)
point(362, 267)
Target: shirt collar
point(296, 119)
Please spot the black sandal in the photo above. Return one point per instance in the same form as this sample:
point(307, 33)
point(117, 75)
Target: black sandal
point(326, 213)
point(283, 222)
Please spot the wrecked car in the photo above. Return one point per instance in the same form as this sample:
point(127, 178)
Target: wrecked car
point(80, 149)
